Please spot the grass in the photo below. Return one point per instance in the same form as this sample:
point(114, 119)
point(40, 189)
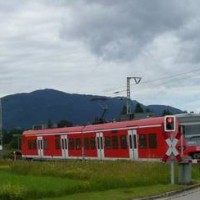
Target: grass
point(120, 194)
point(25, 186)
point(84, 179)
point(119, 173)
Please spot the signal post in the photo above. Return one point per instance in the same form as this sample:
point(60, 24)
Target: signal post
point(185, 164)
point(1, 129)
point(170, 127)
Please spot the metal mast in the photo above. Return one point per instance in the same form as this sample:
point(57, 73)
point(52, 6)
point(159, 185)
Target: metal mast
point(128, 102)
point(1, 126)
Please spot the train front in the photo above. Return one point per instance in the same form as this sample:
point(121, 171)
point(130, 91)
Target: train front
point(190, 128)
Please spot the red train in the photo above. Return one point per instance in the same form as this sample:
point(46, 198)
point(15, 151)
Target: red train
point(135, 140)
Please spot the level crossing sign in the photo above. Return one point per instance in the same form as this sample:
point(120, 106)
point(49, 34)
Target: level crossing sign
point(170, 127)
point(172, 150)
point(171, 137)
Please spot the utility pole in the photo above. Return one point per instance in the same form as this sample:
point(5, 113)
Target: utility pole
point(128, 102)
point(1, 127)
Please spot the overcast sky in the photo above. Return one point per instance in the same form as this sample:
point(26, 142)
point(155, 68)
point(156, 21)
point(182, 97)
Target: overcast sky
point(91, 46)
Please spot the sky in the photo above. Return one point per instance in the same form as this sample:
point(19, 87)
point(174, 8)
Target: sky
point(92, 46)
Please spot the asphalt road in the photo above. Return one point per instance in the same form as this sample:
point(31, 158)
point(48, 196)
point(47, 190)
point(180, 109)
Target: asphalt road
point(186, 195)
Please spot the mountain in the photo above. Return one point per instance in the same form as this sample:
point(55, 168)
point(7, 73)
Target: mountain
point(27, 109)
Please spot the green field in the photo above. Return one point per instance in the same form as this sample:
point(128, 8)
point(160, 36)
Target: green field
point(59, 180)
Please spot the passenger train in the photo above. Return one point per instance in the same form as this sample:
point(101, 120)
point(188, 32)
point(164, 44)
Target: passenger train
point(143, 139)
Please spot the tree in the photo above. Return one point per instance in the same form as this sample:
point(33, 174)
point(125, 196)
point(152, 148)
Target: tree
point(64, 123)
point(99, 120)
point(138, 108)
point(49, 124)
point(166, 112)
point(12, 138)
point(147, 110)
point(123, 112)
point(7, 137)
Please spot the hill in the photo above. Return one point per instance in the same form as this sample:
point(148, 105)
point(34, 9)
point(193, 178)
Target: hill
point(38, 107)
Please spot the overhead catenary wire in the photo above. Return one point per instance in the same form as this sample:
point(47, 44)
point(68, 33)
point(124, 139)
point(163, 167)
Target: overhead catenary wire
point(162, 81)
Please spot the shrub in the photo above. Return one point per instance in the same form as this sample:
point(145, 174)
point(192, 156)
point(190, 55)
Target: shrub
point(12, 192)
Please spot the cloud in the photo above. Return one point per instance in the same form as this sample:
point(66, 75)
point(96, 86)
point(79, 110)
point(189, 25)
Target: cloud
point(91, 46)
point(120, 31)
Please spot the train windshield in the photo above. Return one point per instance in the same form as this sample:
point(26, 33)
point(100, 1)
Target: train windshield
point(192, 134)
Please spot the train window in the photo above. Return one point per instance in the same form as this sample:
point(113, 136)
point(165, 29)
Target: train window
point(64, 145)
point(92, 143)
point(78, 143)
point(46, 144)
point(86, 143)
point(191, 134)
point(71, 143)
point(152, 140)
point(32, 144)
point(130, 142)
point(57, 143)
point(29, 144)
point(107, 142)
point(142, 141)
point(123, 142)
point(114, 142)
point(99, 143)
point(135, 141)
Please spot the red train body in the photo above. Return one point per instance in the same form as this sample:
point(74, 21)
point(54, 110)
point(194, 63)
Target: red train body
point(134, 140)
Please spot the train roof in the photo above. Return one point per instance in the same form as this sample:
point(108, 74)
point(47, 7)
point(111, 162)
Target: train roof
point(188, 118)
point(98, 127)
point(184, 119)
point(53, 130)
point(123, 124)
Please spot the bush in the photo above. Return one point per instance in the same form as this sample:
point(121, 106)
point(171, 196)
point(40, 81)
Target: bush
point(12, 192)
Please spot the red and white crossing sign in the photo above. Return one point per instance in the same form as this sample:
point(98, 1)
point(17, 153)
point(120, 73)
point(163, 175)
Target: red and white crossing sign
point(172, 151)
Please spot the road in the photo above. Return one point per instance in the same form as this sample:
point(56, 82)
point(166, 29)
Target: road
point(186, 195)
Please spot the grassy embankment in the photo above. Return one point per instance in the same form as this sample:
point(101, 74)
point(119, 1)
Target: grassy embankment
point(82, 180)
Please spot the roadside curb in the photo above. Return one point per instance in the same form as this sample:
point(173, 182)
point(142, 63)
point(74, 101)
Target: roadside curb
point(171, 193)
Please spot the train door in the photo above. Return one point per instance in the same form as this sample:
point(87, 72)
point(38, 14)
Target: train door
point(40, 145)
point(64, 146)
point(100, 149)
point(133, 148)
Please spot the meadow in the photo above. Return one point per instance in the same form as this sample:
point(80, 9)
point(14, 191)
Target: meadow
point(63, 179)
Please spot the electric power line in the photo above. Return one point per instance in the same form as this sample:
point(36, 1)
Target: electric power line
point(164, 80)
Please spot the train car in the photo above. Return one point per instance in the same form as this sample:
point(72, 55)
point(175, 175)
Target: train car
point(143, 139)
